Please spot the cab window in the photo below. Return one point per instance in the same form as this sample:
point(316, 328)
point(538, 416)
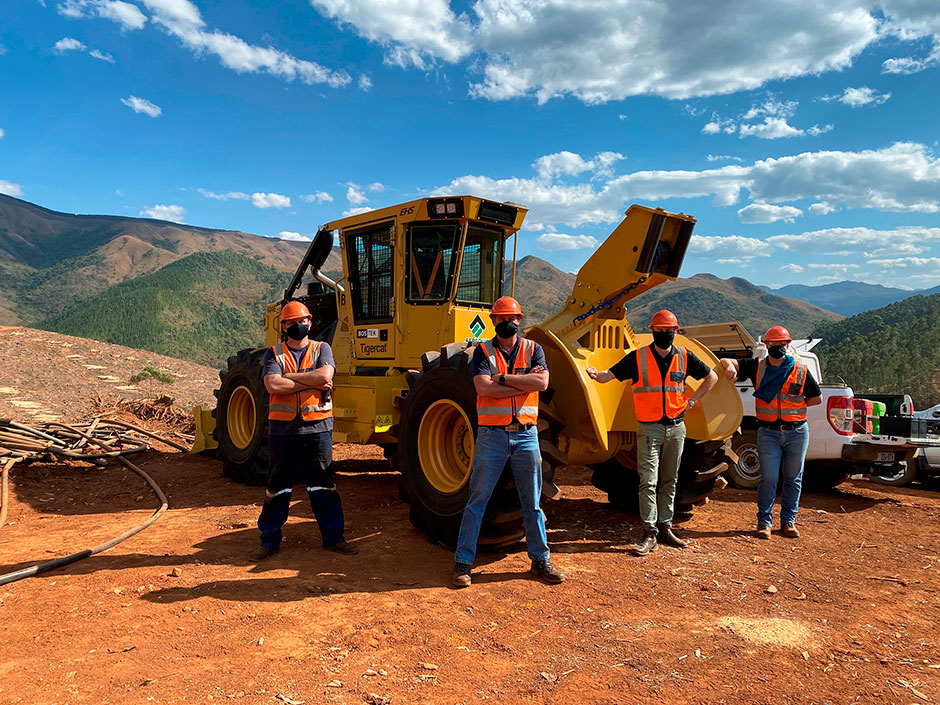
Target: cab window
point(369, 252)
point(481, 268)
point(429, 261)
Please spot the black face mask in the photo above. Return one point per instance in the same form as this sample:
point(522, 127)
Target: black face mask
point(663, 338)
point(776, 351)
point(506, 329)
point(298, 331)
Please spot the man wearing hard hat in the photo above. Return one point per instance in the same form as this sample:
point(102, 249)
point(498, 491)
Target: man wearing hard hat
point(783, 389)
point(658, 372)
point(508, 373)
point(298, 375)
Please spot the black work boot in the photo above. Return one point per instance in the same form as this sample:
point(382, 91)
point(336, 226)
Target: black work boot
point(263, 552)
point(547, 572)
point(461, 575)
point(667, 537)
point(647, 545)
point(347, 549)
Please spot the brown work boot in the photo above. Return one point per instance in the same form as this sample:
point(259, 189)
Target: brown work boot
point(667, 537)
point(547, 572)
point(790, 531)
point(647, 545)
point(763, 532)
point(461, 575)
point(347, 549)
point(263, 552)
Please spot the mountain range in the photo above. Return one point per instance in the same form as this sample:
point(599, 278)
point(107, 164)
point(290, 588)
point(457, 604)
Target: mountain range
point(848, 297)
point(199, 293)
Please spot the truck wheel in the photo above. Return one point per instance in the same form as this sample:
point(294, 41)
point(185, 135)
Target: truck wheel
point(241, 418)
point(699, 469)
point(744, 474)
point(819, 478)
point(901, 475)
point(436, 438)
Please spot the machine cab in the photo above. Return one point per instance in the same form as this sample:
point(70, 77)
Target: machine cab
point(415, 277)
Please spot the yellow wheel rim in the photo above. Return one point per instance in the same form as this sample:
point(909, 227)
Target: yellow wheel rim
point(241, 416)
point(445, 446)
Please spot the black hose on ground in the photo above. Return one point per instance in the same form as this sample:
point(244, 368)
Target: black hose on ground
point(46, 566)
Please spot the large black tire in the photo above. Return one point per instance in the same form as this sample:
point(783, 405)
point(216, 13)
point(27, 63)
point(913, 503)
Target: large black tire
point(442, 397)
point(241, 418)
point(820, 477)
point(745, 473)
point(902, 474)
point(701, 465)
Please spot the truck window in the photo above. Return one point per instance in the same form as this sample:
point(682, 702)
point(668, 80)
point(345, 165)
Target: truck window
point(480, 271)
point(429, 260)
point(369, 252)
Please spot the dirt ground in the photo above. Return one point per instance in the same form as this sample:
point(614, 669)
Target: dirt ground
point(848, 613)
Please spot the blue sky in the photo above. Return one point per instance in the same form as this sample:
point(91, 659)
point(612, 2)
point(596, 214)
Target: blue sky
point(802, 135)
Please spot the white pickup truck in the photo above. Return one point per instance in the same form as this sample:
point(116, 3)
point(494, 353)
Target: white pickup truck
point(835, 451)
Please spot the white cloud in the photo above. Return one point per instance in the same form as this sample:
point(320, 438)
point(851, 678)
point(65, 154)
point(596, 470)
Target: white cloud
point(733, 260)
point(771, 107)
point(539, 48)
point(857, 97)
point(791, 268)
point(904, 177)
point(355, 195)
point(723, 158)
point(571, 164)
point(821, 209)
point(3, 50)
point(365, 83)
point(866, 241)
point(140, 105)
point(910, 21)
point(728, 246)
point(68, 44)
point(173, 213)
point(771, 129)
point(356, 211)
point(376, 186)
point(816, 130)
point(766, 213)
point(270, 200)
point(318, 197)
point(2, 133)
point(836, 267)
point(288, 235)
point(231, 195)
point(10, 189)
point(563, 241)
point(929, 265)
point(125, 14)
point(101, 55)
point(181, 19)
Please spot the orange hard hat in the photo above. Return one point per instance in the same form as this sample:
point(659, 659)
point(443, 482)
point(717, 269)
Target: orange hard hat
point(664, 318)
point(777, 334)
point(294, 310)
point(506, 306)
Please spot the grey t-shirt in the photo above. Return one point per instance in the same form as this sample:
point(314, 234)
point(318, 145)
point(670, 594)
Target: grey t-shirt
point(298, 425)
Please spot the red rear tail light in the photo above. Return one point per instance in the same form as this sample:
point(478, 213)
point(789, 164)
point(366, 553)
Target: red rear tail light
point(840, 412)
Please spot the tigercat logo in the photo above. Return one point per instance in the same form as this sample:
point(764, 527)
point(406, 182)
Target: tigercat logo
point(477, 326)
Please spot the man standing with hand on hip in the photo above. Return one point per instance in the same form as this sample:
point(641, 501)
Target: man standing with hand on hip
point(658, 373)
point(508, 374)
point(783, 389)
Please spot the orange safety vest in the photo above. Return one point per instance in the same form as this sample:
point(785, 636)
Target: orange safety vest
point(524, 406)
point(654, 398)
point(308, 403)
point(790, 404)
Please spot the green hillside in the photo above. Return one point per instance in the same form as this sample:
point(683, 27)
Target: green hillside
point(895, 349)
point(202, 308)
point(705, 298)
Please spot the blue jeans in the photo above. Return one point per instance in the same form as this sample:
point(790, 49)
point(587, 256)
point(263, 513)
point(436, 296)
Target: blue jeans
point(494, 446)
point(786, 450)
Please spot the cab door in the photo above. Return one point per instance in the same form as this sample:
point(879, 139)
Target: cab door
point(370, 259)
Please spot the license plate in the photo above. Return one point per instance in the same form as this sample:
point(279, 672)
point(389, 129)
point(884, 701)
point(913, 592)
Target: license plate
point(885, 458)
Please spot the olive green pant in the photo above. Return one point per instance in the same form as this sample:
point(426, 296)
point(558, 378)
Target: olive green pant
point(659, 450)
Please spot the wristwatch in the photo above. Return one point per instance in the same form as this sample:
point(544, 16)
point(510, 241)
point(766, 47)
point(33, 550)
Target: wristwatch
point(502, 379)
